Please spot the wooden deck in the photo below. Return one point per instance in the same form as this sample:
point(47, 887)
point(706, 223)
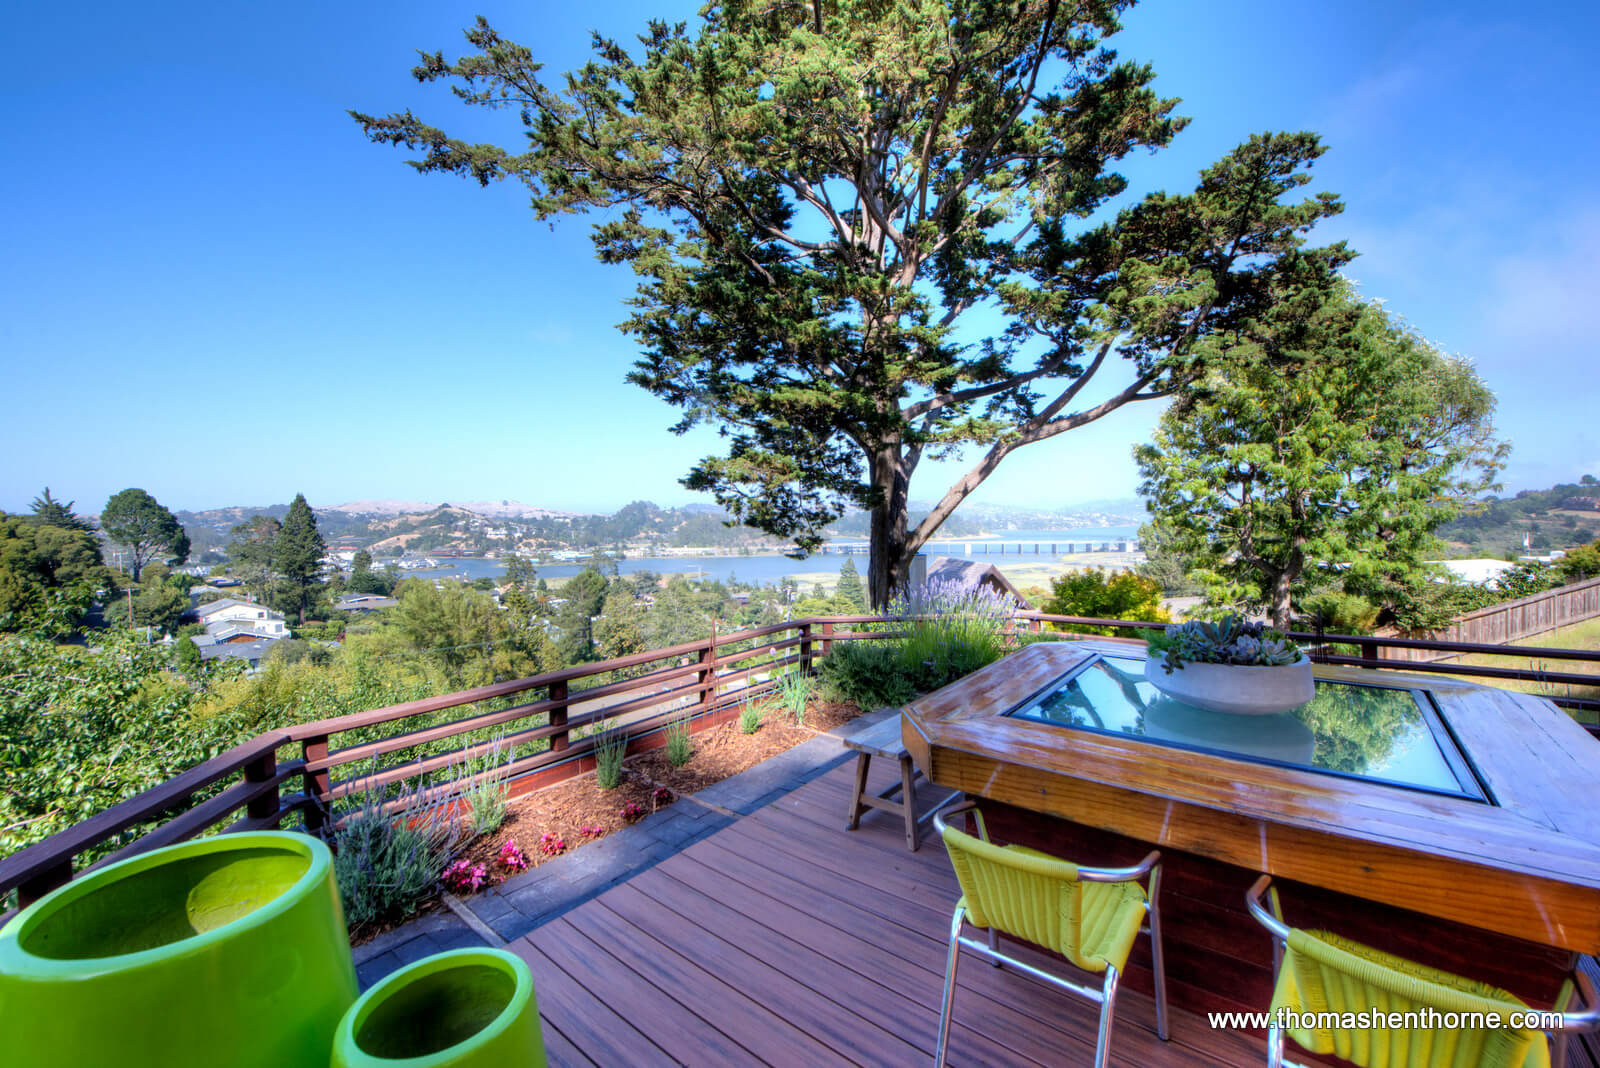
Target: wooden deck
point(785, 939)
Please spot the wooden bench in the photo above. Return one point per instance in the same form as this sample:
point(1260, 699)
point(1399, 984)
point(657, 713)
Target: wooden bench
point(883, 739)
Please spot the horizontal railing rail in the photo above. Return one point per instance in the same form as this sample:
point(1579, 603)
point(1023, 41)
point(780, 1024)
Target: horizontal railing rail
point(704, 680)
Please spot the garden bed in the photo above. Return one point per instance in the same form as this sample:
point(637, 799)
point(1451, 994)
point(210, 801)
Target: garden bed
point(555, 820)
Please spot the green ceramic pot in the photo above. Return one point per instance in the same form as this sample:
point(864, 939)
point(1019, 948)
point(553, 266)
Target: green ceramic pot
point(464, 1007)
point(225, 951)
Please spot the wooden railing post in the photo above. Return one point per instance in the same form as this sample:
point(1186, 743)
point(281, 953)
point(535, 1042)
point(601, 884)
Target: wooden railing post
point(43, 883)
point(1369, 654)
point(708, 671)
point(558, 716)
point(827, 637)
point(315, 783)
point(262, 769)
point(805, 648)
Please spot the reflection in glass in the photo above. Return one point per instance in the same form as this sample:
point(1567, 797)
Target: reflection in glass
point(1370, 732)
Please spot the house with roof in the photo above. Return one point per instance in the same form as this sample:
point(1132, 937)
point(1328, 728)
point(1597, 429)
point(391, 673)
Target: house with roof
point(966, 575)
point(233, 620)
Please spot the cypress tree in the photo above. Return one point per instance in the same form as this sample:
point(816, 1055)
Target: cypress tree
point(297, 553)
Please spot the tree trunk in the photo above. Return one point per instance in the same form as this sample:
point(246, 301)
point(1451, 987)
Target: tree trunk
point(889, 565)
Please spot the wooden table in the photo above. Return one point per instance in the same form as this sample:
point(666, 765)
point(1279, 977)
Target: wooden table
point(1506, 891)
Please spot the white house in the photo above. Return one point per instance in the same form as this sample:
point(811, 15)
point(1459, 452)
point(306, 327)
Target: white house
point(239, 619)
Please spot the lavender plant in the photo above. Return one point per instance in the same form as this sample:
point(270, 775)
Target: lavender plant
point(954, 630)
point(388, 862)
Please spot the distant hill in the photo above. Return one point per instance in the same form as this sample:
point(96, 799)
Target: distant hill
point(1562, 517)
point(392, 527)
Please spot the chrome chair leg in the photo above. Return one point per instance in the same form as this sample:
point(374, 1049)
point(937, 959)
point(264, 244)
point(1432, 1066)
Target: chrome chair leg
point(994, 944)
point(1157, 956)
point(1108, 1004)
point(1274, 1045)
point(943, 1048)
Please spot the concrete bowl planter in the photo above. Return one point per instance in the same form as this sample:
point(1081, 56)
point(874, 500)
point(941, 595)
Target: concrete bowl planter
point(227, 950)
point(1238, 689)
point(466, 1007)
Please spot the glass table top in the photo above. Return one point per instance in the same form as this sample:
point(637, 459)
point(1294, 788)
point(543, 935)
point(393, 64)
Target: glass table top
point(1378, 733)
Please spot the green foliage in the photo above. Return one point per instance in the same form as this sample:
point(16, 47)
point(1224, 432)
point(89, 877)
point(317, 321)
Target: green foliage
point(585, 597)
point(48, 575)
point(1166, 564)
point(1098, 594)
point(1580, 564)
point(850, 596)
point(620, 629)
point(485, 799)
point(297, 555)
point(1322, 446)
point(462, 631)
point(138, 522)
point(86, 727)
point(794, 694)
point(610, 749)
point(1337, 612)
point(680, 747)
point(750, 716)
point(250, 554)
point(974, 142)
point(868, 673)
point(1229, 640)
point(47, 511)
point(388, 863)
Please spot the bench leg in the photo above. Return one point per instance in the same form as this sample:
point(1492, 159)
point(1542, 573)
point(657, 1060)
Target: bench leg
point(863, 762)
point(908, 801)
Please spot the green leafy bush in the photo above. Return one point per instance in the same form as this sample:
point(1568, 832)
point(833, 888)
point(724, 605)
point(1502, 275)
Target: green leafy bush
point(866, 673)
point(1101, 594)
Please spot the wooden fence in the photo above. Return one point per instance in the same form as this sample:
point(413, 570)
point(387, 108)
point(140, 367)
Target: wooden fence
point(549, 724)
point(1502, 624)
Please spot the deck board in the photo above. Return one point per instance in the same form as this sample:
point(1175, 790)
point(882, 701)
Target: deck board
point(784, 939)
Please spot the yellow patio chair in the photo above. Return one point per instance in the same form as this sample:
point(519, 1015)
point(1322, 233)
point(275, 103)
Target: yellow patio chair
point(1320, 972)
point(1091, 916)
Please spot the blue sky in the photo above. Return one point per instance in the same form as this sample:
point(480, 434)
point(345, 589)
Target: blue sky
point(215, 289)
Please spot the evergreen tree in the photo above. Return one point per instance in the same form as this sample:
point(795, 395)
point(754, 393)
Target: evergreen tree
point(818, 198)
point(584, 595)
point(1323, 447)
point(52, 513)
point(297, 554)
point(849, 593)
point(620, 628)
point(250, 554)
point(139, 523)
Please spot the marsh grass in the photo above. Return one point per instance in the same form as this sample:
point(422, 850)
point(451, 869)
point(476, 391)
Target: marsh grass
point(679, 745)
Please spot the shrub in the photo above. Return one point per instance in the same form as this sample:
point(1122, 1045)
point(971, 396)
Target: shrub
point(679, 746)
point(632, 811)
point(954, 632)
point(388, 863)
point(486, 798)
point(868, 674)
point(609, 749)
point(551, 844)
point(749, 716)
point(794, 693)
point(1099, 594)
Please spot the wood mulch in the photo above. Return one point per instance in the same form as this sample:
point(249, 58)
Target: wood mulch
point(578, 811)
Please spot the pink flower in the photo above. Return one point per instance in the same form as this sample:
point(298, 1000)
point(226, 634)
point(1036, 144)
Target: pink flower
point(591, 832)
point(511, 857)
point(662, 796)
point(632, 811)
point(552, 844)
point(465, 877)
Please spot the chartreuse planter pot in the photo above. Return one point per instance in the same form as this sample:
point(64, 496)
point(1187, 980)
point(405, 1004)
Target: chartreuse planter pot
point(465, 1007)
point(225, 951)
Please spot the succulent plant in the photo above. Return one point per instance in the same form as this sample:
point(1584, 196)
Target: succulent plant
point(1229, 640)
